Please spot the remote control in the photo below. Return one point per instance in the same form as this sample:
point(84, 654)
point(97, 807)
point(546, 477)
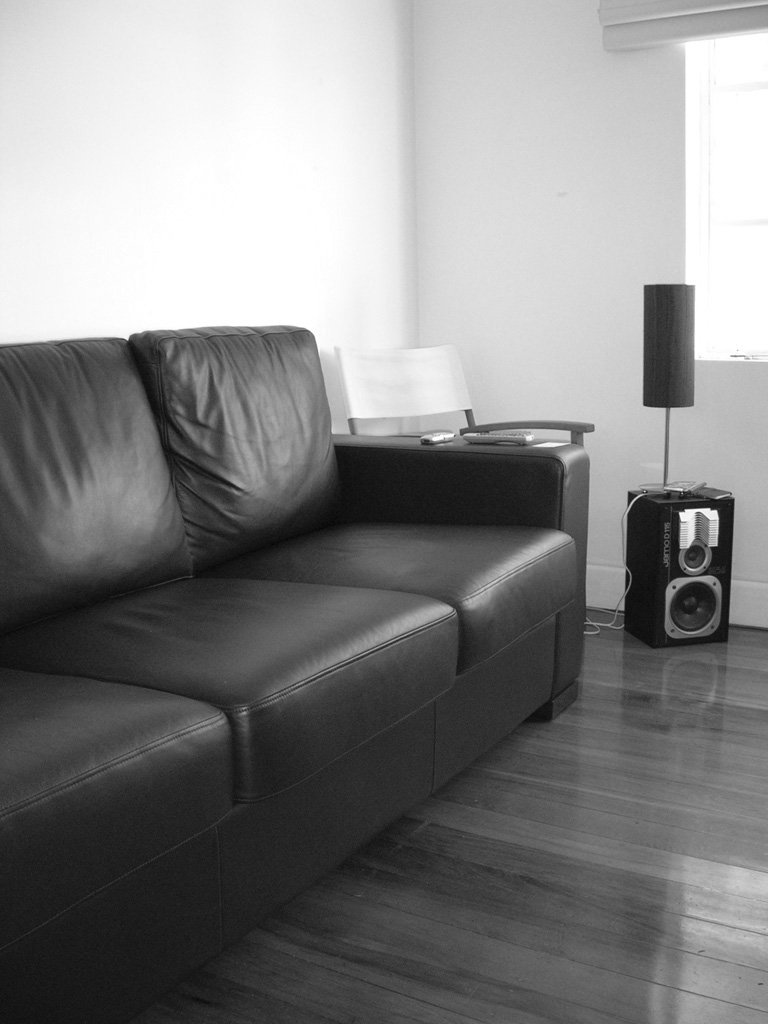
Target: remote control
point(437, 437)
point(499, 437)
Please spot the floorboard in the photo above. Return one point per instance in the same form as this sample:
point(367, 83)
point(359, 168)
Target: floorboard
point(608, 867)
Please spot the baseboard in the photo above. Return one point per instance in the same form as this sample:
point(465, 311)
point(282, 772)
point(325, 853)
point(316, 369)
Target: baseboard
point(749, 600)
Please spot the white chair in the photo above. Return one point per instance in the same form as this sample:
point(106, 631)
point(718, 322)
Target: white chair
point(398, 383)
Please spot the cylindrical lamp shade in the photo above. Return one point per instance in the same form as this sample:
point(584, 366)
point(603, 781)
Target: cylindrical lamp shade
point(669, 358)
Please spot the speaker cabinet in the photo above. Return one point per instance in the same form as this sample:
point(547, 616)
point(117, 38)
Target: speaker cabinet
point(679, 552)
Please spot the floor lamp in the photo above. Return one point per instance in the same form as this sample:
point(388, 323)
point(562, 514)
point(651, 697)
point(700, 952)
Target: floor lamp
point(668, 355)
point(680, 535)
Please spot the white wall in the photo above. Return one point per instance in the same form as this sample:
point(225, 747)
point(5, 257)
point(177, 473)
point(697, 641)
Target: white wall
point(172, 163)
point(550, 188)
point(177, 163)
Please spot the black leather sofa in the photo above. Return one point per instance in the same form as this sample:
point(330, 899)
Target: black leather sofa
point(235, 647)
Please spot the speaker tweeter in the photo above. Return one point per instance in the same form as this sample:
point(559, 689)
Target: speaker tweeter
point(695, 559)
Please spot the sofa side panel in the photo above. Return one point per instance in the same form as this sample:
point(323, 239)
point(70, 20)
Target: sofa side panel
point(97, 779)
point(114, 954)
point(492, 699)
point(88, 507)
point(276, 847)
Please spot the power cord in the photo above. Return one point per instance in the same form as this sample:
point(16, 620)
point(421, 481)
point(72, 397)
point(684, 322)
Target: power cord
point(593, 628)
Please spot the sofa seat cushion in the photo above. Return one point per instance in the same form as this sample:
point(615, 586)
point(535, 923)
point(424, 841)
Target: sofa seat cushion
point(502, 580)
point(97, 779)
point(305, 673)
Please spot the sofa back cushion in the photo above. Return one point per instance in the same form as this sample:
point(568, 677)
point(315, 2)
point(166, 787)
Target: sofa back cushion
point(245, 419)
point(88, 509)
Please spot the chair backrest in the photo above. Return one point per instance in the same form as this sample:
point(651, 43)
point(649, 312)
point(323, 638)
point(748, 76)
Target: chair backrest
point(388, 383)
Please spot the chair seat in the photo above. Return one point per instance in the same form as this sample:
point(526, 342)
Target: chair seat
point(502, 580)
point(304, 673)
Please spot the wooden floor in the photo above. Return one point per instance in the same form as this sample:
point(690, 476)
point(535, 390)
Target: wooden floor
point(609, 866)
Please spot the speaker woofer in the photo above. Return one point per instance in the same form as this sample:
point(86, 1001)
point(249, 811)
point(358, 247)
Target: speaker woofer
point(692, 607)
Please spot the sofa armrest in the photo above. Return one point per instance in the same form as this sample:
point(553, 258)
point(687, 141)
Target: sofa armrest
point(398, 479)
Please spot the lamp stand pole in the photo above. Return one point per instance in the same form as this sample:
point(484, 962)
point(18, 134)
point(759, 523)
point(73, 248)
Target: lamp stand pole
point(665, 478)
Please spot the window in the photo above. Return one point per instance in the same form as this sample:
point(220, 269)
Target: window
point(727, 188)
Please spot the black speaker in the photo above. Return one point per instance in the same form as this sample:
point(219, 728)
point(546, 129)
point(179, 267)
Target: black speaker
point(679, 552)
